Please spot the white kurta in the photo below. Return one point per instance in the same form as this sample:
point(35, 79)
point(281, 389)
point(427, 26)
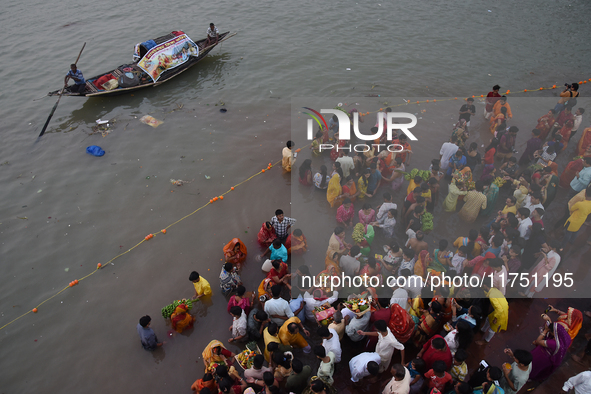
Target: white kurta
point(398, 387)
point(358, 365)
point(581, 383)
point(385, 348)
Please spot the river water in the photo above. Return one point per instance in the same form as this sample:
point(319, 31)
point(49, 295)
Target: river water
point(64, 211)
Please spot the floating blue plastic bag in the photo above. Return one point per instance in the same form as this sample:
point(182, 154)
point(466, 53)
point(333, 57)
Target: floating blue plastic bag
point(95, 150)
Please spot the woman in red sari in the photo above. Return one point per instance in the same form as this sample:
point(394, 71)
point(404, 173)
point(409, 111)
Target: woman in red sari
point(572, 168)
point(584, 142)
point(266, 235)
point(401, 323)
point(235, 251)
point(565, 133)
point(279, 273)
point(545, 123)
point(334, 153)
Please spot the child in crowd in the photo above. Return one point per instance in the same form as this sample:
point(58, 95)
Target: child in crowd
point(438, 377)
point(416, 368)
point(459, 371)
point(457, 261)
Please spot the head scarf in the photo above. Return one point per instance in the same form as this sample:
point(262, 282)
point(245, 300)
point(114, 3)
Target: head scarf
point(229, 248)
point(572, 321)
point(208, 356)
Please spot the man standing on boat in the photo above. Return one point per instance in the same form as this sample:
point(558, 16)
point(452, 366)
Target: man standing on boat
point(79, 82)
point(213, 34)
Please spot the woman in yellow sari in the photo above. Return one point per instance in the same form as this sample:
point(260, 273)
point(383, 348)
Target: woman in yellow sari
point(466, 174)
point(181, 318)
point(216, 354)
point(334, 189)
point(362, 183)
point(498, 120)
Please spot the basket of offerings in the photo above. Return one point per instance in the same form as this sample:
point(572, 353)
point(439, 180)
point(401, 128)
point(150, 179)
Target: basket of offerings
point(246, 358)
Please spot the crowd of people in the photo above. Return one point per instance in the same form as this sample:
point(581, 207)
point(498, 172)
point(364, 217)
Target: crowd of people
point(308, 330)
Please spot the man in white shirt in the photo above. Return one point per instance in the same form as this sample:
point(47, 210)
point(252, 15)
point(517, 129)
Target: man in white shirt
point(581, 383)
point(533, 201)
point(400, 382)
point(277, 308)
point(363, 365)
point(330, 341)
point(499, 279)
point(347, 163)
point(448, 149)
point(386, 206)
point(578, 121)
point(312, 302)
point(524, 223)
point(387, 342)
point(350, 263)
point(213, 35)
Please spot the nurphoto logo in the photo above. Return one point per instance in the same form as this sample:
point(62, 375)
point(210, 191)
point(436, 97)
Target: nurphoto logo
point(342, 120)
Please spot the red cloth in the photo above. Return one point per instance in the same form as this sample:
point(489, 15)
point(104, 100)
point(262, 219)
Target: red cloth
point(570, 172)
point(102, 80)
point(401, 323)
point(489, 157)
point(491, 99)
point(178, 33)
point(430, 355)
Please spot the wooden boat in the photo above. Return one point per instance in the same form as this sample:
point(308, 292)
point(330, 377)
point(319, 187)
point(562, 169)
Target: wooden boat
point(141, 78)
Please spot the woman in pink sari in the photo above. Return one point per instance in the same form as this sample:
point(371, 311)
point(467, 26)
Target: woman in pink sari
point(367, 215)
point(552, 345)
point(239, 299)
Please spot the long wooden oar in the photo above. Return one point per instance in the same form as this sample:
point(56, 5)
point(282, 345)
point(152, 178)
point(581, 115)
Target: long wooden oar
point(59, 98)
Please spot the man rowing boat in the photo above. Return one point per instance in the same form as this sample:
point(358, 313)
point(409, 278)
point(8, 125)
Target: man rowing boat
point(213, 34)
point(79, 82)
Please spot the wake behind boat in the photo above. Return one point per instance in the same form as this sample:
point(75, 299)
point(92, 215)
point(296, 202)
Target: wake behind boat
point(155, 62)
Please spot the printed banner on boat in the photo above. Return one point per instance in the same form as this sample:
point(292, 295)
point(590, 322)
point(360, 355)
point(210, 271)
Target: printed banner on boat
point(169, 54)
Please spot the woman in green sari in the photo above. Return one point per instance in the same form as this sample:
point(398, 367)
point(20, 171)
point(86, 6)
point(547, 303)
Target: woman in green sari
point(441, 257)
point(550, 186)
point(492, 194)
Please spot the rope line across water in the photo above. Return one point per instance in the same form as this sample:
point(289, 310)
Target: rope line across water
point(473, 96)
point(148, 237)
